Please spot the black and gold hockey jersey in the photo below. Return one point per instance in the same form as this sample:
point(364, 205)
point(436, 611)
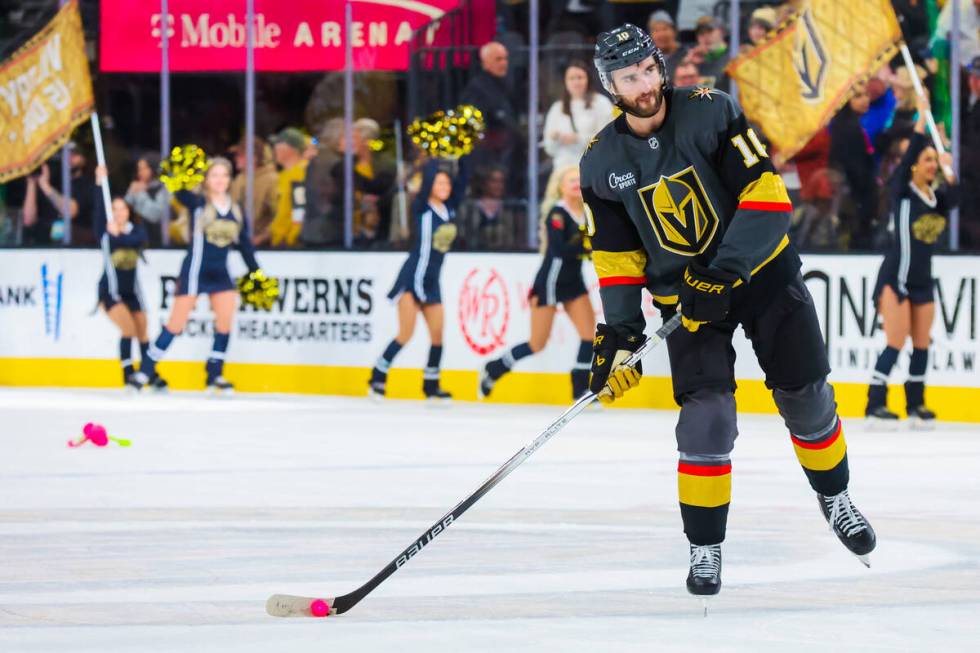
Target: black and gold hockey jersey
point(702, 186)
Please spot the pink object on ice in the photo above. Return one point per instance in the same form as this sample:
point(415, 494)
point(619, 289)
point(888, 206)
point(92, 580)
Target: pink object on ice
point(96, 434)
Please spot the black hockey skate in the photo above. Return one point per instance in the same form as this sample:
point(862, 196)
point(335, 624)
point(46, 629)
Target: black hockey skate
point(922, 418)
point(434, 393)
point(155, 382)
point(704, 577)
point(376, 390)
point(220, 386)
point(848, 524)
point(486, 383)
point(881, 418)
point(134, 382)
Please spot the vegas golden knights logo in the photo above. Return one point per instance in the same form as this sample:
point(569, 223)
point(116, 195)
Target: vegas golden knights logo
point(809, 58)
point(680, 212)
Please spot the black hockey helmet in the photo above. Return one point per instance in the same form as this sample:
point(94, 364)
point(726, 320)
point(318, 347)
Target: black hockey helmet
point(626, 45)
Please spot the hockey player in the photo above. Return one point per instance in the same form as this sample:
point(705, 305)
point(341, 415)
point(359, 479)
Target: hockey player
point(559, 279)
point(417, 288)
point(121, 240)
point(684, 201)
point(217, 225)
point(904, 289)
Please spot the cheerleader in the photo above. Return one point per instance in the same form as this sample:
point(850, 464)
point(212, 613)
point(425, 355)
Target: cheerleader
point(904, 289)
point(559, 280)
point(121, 239)
point(417, 287)
point(216, 225)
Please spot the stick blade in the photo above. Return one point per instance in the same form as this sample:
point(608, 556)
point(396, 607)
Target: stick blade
point(288, 605)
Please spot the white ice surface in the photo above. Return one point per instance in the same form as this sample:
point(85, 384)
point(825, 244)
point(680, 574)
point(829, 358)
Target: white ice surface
point(175, 543)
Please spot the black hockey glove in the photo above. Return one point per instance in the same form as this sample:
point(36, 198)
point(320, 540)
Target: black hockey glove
point(705, 295)
point(611, 346)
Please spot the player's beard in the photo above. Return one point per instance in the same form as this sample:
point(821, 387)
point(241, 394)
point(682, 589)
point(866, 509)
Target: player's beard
point(643, 108)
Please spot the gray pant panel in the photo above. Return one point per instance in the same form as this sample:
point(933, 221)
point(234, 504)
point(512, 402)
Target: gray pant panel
point(706, 428)
point(810, 412)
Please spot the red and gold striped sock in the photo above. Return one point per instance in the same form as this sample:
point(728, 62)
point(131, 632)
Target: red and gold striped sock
point(824, 460)
point(705, 490)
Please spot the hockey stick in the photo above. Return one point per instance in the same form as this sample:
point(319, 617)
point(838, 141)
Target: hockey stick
point(287, 605)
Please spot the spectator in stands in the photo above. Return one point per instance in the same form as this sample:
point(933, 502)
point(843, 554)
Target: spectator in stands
point(486, 221)
point(762, 22)
point(710, 54)
point(374, 186)
point(265, 191)
point(664, 34)
point(815, 224)
point(852, 155)
point(789, 8)
point(148, 196)
point(904, 116)
point(686, 75)
point(970, 161)
point(573, 120)
point(324, 223)
point(489, 91)
point(969, 36)
point(288, 147)
point(43, 203)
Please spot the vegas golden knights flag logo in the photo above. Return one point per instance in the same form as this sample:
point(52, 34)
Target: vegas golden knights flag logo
point(792, 84)
point(45, 91)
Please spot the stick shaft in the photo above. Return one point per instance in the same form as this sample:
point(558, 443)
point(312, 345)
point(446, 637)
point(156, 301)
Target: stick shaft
point(344, 603)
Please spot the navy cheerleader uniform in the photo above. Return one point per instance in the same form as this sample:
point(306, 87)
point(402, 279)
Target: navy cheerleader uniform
point(204, 271)
point(213, 234)
point(120, 256)
point(559, 279)
point(419, 275)
point(918, 219)
point(435, 233)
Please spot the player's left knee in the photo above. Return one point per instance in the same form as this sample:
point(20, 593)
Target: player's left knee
point(808, 409)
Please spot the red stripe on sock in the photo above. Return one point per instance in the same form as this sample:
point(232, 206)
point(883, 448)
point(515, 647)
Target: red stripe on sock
point(703, 470)
point(818, 445)
point(622, 281)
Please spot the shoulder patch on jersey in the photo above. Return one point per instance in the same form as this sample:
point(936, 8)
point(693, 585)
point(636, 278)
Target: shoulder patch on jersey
point(701, 93)
point(556, 220)
point(593, 141)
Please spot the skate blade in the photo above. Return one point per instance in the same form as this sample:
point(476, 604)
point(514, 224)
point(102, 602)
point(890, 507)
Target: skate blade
point(217, 393)
point(375, 396)
point(865, 560)
point(880, 425)
point(704, 606)
point(438, 403)
point(918, 424)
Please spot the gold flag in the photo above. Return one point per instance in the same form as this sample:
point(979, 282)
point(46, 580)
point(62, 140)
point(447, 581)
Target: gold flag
point(45, 91)
point(792, 84)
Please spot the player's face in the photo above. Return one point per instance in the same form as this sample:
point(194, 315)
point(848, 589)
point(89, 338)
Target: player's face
point(218, 179)
point(442, 187)
point(928, 165)
point(571, 188)
point(120, 211)
point(638, 87)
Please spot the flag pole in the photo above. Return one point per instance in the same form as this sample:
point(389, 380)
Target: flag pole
point(65, 183)
point(930, 121)
point(100, 160)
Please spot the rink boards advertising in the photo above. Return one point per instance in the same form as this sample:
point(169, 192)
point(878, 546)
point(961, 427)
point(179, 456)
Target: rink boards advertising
point(333, 318)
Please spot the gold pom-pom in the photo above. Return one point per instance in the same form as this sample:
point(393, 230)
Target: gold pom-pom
point(258, 290)
point(184, 168)
point(448, 134)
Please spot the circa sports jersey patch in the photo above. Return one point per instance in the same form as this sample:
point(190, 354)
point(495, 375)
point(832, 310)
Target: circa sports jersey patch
point(680, 212)
point(619, 182)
